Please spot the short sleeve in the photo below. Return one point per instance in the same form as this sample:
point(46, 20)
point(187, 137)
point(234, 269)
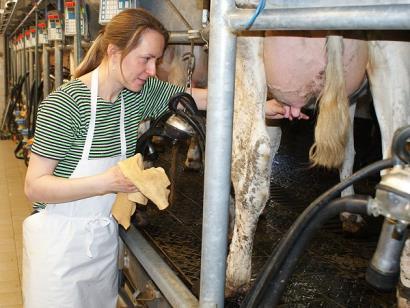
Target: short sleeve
point(57, 123)
point(156, 97)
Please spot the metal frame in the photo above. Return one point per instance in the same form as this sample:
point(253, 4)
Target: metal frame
point(225, 20)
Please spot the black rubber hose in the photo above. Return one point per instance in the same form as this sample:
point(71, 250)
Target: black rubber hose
point(145, 138)
point(16, 99)
point(275, 288)
point(400, 144)
point(190, 114)
point(186, 100)
point(298, 227)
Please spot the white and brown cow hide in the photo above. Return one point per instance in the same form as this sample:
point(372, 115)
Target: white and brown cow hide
point(387, 64)
point(297, 69)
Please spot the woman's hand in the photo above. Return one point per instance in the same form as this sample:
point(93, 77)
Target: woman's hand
point(113, 181)
point(275, 110)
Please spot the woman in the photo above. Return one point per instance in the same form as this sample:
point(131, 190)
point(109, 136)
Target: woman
point(84, 128)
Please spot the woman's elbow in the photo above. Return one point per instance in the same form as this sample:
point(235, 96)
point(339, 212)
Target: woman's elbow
point(29, 191)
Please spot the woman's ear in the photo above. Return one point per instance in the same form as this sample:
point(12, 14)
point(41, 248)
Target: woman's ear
point(113, 50)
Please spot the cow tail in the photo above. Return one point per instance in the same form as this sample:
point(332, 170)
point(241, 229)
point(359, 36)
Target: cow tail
point(333, 122)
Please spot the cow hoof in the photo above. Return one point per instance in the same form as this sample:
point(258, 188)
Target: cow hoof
point(236, 294)
point(352, 223)
point(192, 166)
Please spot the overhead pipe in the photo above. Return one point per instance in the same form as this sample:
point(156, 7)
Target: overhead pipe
point(198, 37)
point(33, 9)
point(370, 17)
point(10, 18)
point(277, 4)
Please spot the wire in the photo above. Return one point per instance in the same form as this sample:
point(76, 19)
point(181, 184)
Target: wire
point(259, 8)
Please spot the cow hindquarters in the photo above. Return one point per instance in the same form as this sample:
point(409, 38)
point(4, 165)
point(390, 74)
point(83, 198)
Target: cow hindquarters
point(251, 160)
point(389, 76)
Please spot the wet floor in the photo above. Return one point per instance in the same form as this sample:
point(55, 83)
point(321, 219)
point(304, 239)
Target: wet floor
point(330, 273)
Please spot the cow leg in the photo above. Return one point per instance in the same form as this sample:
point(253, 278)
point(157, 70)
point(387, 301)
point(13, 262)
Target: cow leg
point(251, 160)
point(193, 159)
point(351, 223)
point(347, 168)
point(389, 75)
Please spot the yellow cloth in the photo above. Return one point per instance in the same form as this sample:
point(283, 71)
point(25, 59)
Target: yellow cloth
point(152, 183)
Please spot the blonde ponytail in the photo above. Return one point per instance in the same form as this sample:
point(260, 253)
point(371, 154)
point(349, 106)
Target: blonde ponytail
point(92, 58)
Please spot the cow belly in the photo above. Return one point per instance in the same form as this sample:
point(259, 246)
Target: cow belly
point(295, 66)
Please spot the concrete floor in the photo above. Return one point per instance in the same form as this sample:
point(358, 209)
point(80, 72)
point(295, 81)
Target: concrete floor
point(14, 208)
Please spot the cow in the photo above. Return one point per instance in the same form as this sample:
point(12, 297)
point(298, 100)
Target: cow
point(283, 57)
point(386, 63)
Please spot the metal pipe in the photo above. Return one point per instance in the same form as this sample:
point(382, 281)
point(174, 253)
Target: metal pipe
point(58, 64)
point(46, 71)
point(20, 67)
point(16, 66)
point(10, 18)
point(275, 4)
point(8, 67)
point(377, 17)
point(58, 49)
point(26, 62)
point(36, 71)
point(35, 6)
point(30, 69)
point(174, 290)
point(184, 37)
point(77, 38)
point(217, 176)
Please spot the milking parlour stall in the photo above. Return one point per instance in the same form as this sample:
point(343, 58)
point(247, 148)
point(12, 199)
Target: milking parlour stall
point(267, 213)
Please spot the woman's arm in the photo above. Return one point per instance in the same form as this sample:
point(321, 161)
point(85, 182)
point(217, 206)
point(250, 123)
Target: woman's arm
point(273, 108)
point(200, 96)
point(40, 184)
point(277, 110)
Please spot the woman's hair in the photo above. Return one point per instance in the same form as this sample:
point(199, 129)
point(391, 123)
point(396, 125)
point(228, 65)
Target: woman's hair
point(124, 31)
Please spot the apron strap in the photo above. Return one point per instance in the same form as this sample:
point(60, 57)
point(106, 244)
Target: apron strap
point(122, 129)
point(91, 127)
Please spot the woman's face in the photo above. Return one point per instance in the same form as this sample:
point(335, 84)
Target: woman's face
point(141, 62)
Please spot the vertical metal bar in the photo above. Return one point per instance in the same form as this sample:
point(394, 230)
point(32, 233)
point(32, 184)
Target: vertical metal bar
point(25, 60)
point(30, 67)
point(58, 48)
point(46, 63)
point(58, 64)
point(20, 67)
point(46, 71)
point(77, 38)
point(36, 57)
point(36, 78)
point(218, 155)
point(8, 69)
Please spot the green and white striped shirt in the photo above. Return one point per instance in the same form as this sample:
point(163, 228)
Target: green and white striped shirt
point(63, 119)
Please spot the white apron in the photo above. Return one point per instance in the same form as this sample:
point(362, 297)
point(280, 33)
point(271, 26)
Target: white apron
point(70, 249)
